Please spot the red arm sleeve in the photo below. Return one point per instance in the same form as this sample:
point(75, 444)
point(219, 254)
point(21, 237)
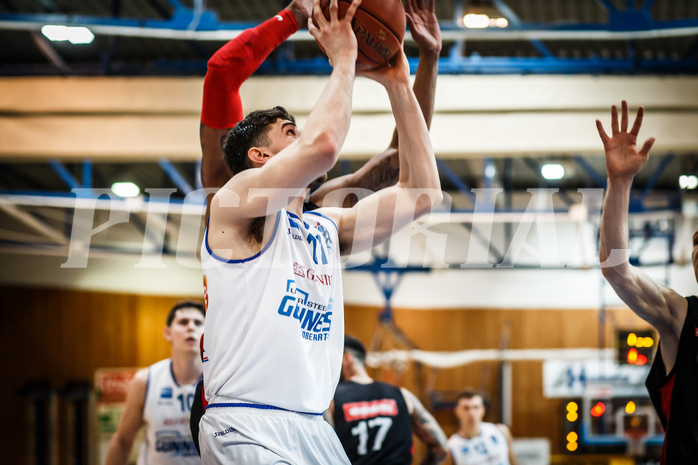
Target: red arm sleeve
point(233, 63)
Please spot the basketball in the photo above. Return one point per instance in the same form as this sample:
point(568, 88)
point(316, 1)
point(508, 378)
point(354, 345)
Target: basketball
point(379, 26)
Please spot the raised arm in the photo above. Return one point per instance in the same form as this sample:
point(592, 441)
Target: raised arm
point(375, 218)
point(660, 306)
point(382, 169)
point(227, 70)
point(130, 422)
point(425, 427)
point(287, 174)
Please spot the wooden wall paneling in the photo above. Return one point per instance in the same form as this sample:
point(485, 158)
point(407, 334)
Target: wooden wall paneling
point(61, 335)
point(152, 316)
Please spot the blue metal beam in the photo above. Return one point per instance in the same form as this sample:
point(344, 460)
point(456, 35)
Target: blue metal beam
point(176, 177)
point(65, 175)
point(608, 5)
point(87, 174)
point(648, 5)
point(456, 180)
point(658, 172)
point(593, 174)
point(516, 22)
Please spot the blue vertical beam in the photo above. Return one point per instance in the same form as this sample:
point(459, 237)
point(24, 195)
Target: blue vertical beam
point(455, 179)
point(656, 175)
point(87, 174)
point(176, 177)
point(176, 4)
point(515, 21)
point(64, 174)
point(648, 5)
point(608, 5)
point(593, 174)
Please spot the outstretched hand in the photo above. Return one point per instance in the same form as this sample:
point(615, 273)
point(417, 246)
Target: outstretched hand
point(397, 69)
point(335, 36)
point(423, 25)
point(623, 161)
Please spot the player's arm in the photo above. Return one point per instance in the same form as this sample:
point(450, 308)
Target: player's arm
point(375, 218)
point(382, 169)
point(425, 427)
point(328, 414)
point(227, 70)
point(660, 306)
point(507, 434)
point(261, 191)
point(130, 422)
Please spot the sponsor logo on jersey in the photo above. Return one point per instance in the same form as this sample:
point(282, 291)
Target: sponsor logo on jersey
point(166, 393)
point(314, 318)
point(224, 432)
point(312, 275)
point(174, 444)
point(369, 409)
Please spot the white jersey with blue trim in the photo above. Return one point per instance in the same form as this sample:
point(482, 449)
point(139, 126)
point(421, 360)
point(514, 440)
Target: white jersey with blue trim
point(166, 412)
point(490, 447)
point(275, 321)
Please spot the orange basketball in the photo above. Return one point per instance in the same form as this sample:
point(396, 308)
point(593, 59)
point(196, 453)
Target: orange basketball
point(379, 26)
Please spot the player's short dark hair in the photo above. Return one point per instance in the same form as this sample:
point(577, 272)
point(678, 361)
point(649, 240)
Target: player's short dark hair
point(185, 304)
point(250, 132)
point(356, 348)
point(470, 393)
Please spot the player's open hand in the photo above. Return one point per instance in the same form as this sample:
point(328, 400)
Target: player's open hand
point(423, 25)
point(335, 36)
point(623, 160)
point(395, 72)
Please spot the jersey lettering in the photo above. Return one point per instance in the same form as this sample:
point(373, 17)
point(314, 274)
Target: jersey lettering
point(314, 318)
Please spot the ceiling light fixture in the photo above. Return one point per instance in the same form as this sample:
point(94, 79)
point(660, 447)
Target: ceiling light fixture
point(74, 35)
point(475, 21)
point(552, 171)
point(125, 189)
point(482, 21)
point(688, 181)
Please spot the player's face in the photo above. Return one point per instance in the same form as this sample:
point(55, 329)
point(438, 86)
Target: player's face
point(186, 330)
point(281, 134)
point(694, 254)
point(470, 411)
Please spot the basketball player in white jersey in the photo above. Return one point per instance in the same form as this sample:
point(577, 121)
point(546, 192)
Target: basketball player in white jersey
point(274, 330)
point(477, 442)
point(161, 395)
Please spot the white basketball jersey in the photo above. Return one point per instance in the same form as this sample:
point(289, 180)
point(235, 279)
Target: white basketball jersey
point(166, 412)
point(275, 321)
point(489, 448)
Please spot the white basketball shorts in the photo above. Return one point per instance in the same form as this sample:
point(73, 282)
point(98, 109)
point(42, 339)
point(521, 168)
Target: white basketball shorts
point(258, 435)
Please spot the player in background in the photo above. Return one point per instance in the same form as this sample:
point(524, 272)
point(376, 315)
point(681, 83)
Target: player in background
point(375, 421)
point(161, 396)
point(673, 378)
